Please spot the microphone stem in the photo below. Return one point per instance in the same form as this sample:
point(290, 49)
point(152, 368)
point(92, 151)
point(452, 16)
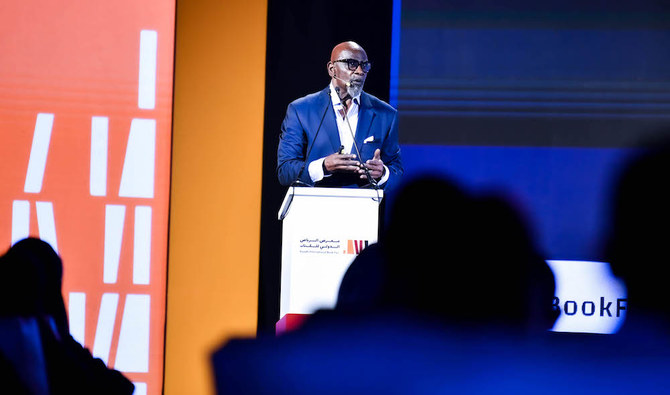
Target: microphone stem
point(371, 180)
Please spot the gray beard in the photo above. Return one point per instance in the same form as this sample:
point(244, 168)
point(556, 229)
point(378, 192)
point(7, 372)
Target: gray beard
point(354, 89)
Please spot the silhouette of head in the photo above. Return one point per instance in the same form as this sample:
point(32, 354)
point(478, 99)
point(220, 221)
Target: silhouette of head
point(639, 232)
point(516, 280)
point(32, 279)
point(425, 239)
point(469, 261)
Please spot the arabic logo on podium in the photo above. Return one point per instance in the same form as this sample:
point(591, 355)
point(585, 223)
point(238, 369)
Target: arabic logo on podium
point(356, 246)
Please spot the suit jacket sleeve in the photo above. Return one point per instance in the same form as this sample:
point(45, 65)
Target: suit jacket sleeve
point(291, 149)
point(390, 153)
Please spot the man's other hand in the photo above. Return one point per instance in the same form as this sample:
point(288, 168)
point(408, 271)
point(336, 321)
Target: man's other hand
point(341, 163)
point(375, 166)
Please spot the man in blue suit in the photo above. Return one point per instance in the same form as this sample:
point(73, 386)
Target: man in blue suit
point(340, 136)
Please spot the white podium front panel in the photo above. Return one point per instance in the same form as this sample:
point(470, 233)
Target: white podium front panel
point(324, 229)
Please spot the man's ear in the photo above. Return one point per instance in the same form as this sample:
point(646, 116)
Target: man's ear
point(331, 69)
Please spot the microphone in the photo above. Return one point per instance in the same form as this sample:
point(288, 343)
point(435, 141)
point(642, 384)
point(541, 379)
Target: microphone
point(347, 83)
point(371, 180)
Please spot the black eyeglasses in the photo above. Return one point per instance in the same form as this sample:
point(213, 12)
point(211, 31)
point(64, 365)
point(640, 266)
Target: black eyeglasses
point(353, 64)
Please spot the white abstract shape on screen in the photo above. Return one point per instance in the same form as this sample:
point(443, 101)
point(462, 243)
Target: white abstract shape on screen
point(137, 179)
point(142, 245)
point(105, 328)
point(133, 350)
point(46, 223)
point(99, 147)
point(20, 220)
point(38, 153)
point(76, 312)
point(146, 93)
point(114, 220)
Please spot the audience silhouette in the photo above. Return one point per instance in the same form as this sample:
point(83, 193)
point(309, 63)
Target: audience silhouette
point(47, 359)
point(466, 260)
point(637, 246)
point(455, 297)
point(454, 284)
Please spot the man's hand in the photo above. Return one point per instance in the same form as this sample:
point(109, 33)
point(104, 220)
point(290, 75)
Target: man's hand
point(375, 166)
point(341, 163)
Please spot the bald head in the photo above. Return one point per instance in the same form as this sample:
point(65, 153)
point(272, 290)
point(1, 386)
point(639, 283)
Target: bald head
point(347, 46)
point(348, 67)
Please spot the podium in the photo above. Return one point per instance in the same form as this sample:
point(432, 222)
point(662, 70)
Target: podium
point(323, 230)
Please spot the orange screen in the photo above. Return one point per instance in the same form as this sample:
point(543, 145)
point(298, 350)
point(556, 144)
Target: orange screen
point(85, 123)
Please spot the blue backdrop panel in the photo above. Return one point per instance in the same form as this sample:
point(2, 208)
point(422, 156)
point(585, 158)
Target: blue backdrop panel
point(564, 193)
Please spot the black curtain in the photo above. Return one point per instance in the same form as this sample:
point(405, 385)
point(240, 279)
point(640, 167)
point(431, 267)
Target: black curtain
point(300, 37)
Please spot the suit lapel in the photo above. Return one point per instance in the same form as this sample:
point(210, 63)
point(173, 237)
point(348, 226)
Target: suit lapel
point(365, 117)
point(329, 123)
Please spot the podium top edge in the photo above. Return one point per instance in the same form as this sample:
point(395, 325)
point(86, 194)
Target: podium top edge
point(339, 192)
point(356, 193)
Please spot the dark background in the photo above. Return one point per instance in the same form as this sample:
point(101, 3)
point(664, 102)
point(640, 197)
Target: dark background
point(300, 37)
point(551, 73)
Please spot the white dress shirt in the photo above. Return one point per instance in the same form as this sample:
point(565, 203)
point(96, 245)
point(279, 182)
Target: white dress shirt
point(346, 132)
